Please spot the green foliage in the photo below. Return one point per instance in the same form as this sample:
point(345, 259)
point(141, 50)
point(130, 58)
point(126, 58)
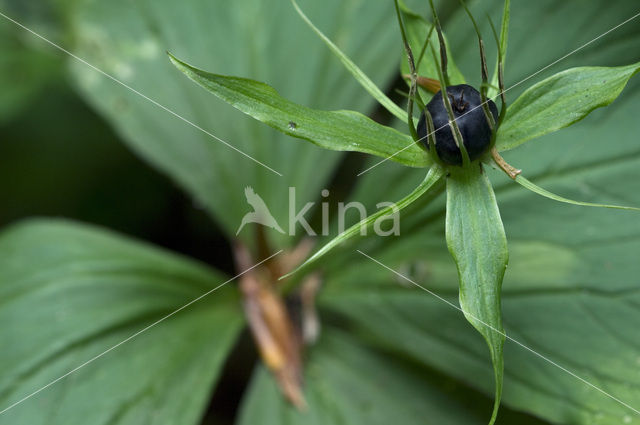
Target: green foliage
point(417, 29)
point(540, 191)
point(570, 292)
point(70, 292)
point(350, 383)
point(234, 38)
point(434, 175)
point(357, 73)
point(481, 255)
point(502, 49)
point(561, 100)
point(336, 130)
point(477, 242)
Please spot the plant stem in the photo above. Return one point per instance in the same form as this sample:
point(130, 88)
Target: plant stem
point(510, 170)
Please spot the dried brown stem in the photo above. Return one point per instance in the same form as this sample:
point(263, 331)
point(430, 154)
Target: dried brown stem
point(510, 170)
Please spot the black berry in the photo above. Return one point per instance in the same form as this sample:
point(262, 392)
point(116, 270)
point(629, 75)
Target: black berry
point(472, 122)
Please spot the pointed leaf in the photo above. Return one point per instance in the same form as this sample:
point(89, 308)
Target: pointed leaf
point(477, 242)
point(502, 46)
point(433, 176)
point(561, 100)
point(357, 73)
point(336, 130)
point(540, 191)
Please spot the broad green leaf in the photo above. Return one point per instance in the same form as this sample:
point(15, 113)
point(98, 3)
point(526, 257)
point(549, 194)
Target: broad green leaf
point(336, 130)
point(69, 292)
point(540, 191)
point(258, 39)
point(348, 383)
point(476, 239)
point(561, 100)
point(431, 179)
point(357, 73)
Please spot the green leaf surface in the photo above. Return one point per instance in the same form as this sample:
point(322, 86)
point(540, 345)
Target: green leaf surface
point(258, 39)
point(335, 130)
point(349, 383)
point(476, 239)
point(69, 292)
point(431, 179)
point(561, 100)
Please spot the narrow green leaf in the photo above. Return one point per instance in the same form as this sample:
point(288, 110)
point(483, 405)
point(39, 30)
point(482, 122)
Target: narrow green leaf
point(502, 48)
point(540, 191)
point(504, 30)
point(336, 130)
point(417, 29)
point(561, 100)
point(476, 240)
point(433, 176)
point(357, 73)
point(414, 94)
point(483, 69)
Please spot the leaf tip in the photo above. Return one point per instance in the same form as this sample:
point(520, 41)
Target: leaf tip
point(182, 66)
point(285, 276)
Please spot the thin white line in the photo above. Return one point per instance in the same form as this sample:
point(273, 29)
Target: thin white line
point(503, 334)
point(111, 77)
point(506, 90)
point(136, 334)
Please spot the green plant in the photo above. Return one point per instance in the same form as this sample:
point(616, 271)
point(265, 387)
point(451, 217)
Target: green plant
point(475, 235)
point(101, 289)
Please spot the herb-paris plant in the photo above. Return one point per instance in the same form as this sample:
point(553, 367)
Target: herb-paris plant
point(475, 235)
point(69, 292)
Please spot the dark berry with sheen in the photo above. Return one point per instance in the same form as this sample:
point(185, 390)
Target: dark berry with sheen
point(469, 114)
